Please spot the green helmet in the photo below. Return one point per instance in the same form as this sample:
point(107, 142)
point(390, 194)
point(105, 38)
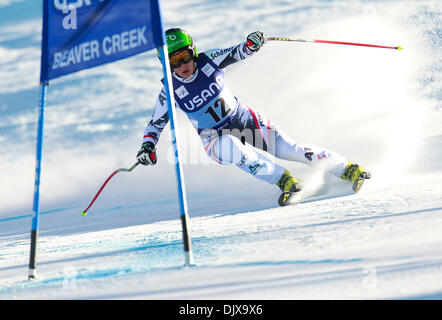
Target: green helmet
point(177, 40)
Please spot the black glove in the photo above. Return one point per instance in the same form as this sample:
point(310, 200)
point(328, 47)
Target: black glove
point(255, 41)
point(147, 155)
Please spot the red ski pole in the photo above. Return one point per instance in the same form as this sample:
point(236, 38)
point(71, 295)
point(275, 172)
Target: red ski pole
point(334, 42)
point(104, 184)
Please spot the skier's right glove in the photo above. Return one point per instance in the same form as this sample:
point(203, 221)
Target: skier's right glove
point(147, 155)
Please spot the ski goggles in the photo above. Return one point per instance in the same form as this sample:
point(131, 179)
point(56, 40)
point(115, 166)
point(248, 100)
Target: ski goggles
point(181, 57)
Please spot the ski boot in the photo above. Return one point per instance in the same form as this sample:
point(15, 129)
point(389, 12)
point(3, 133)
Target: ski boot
point(355, 174)
point(288, 185)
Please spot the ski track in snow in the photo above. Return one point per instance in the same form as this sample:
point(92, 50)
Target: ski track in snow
point(369, 245)
point(383, 243)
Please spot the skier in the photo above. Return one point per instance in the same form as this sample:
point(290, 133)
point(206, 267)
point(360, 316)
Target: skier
point(229, 130)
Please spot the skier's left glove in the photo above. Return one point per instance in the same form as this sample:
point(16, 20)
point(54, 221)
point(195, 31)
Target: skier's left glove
point(147, 155)
point(255, 41)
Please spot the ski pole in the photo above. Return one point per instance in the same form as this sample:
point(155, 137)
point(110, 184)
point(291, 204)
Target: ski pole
point(104, 184)
point(333, 42)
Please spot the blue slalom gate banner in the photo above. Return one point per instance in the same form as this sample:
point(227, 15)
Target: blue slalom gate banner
point(81, 34)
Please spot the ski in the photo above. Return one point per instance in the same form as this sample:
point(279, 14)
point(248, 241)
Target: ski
point(286, 196)
point(360, 181)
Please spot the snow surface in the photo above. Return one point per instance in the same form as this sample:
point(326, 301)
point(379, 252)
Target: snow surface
point(380, 108)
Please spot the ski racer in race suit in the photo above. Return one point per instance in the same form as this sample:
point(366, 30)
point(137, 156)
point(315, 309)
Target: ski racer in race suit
point(229, 129)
